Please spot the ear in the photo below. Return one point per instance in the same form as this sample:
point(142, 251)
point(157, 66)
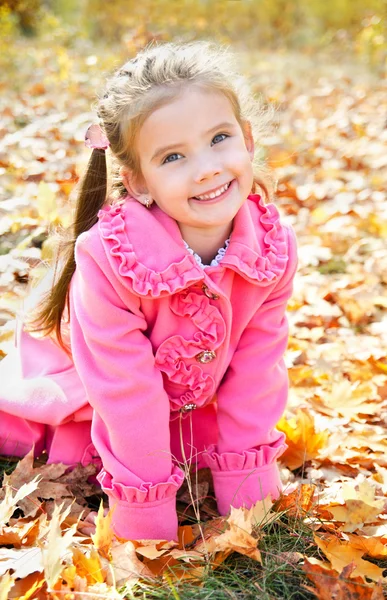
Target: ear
point(249, 140)
point(133, 187)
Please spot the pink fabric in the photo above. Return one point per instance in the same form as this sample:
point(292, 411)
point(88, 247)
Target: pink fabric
point(142, 315)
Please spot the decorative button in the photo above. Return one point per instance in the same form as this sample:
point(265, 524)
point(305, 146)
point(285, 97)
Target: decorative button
point(208, 292)
point(188, 407)
point(206, 356)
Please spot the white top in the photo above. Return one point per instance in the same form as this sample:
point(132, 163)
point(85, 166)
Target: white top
point(215, 261)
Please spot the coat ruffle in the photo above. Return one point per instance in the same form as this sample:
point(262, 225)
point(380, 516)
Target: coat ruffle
point(248, 460)
point(198, 387)
point(144, 280)
point(146, 493)
point(259, 266)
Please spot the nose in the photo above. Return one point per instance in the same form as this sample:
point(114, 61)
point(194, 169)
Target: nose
point(206, 168)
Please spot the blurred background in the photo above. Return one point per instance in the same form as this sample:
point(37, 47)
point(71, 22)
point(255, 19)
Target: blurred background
point(357, 26)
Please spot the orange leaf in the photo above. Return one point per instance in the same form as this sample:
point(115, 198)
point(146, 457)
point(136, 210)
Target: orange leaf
point(298, 502)
point(341, 554)
point(304, 442)
point(329, 584)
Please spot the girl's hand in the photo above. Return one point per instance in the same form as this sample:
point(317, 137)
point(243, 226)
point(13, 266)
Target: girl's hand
point(88, 524)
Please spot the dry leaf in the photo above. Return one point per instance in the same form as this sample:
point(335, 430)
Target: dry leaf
point(48, 487)
point(10, 502)
point(330, 585)
point(125, 565)
point(341, 554)
point(304, 443)
point(236, 538)
point(360, 507)
point(57, 546)
point(298, 502)
point(103, 536)
point(6, 583)
point(22, 562)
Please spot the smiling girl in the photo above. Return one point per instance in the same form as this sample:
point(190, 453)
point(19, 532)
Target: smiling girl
point(165, 329)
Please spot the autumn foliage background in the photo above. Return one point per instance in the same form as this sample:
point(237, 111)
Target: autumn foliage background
point(323, 65)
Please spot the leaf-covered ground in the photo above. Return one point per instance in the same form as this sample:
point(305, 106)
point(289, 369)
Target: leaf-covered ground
point(328, 533)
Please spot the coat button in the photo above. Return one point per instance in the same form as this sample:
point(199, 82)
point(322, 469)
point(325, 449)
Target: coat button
point(206, 356)
point(208, 292)
point(188, 407)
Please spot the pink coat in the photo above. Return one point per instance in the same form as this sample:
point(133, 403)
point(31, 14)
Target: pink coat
point(157, 341)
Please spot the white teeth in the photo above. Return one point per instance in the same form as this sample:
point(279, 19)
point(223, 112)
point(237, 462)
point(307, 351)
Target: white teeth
point(214, 194)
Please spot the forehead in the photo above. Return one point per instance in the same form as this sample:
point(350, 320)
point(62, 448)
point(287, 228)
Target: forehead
point(194, 111)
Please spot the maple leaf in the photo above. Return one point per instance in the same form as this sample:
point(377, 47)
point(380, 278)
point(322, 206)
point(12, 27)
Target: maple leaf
point(22, 562)
point(9, 502)
point(6, 583)
point(341, 554)
point(57, 546)
point(87, 564)
point(297, 502)
point(126, 567)
point(103, 536)
point(236, 538)
point(48, 487)
point(304, 442)
point(360, 506)
point(329, 584)
point(350, 399)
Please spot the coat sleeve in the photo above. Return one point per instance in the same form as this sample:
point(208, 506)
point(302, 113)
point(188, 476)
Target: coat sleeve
point(130, 427)
point(251, 400)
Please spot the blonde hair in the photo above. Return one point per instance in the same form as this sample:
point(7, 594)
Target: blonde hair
point(153, 78)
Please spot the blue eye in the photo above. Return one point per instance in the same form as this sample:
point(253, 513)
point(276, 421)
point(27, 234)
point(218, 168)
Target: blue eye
point(170, 156)
point(223, 136)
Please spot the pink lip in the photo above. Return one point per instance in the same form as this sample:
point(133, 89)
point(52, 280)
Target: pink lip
point(218, 198)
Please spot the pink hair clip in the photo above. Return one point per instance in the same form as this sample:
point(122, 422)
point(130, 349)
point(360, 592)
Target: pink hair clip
point(96, 139)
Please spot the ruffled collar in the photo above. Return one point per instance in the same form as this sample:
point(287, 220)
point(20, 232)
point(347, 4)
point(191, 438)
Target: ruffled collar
point(146, 248)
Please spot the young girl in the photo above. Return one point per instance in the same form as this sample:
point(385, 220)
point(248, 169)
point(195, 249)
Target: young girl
point(165, 329)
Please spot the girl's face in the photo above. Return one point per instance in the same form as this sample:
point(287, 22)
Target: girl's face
point(191, 148)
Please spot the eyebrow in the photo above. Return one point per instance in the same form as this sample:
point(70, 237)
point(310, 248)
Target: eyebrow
point(160, 151)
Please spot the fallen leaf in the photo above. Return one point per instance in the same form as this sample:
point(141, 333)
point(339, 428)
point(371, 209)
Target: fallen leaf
point(10, 502)
point(103, 536)
point(57, 546)
point(304, 442)
point(6, 583)
point(330, 585)
point(237, 536)
point(298, 502)
point(341, 554)
point(22, 562)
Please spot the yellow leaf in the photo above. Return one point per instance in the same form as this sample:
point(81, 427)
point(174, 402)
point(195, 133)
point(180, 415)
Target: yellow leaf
point(88, 565)
point(6, 583)
point(360, 507)
point(103, 536)
point(371, 546)
point(304, 442)
point(341, 554)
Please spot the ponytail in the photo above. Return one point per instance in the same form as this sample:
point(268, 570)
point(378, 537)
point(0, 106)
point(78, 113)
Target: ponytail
point(47, 317)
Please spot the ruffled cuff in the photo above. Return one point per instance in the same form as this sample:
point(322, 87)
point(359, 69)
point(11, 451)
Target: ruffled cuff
point(148, 512)
point(243, 479)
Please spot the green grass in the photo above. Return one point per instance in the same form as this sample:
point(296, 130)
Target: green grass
point(278, 578)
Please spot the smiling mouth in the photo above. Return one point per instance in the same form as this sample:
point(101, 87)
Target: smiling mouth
point(221, 190)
